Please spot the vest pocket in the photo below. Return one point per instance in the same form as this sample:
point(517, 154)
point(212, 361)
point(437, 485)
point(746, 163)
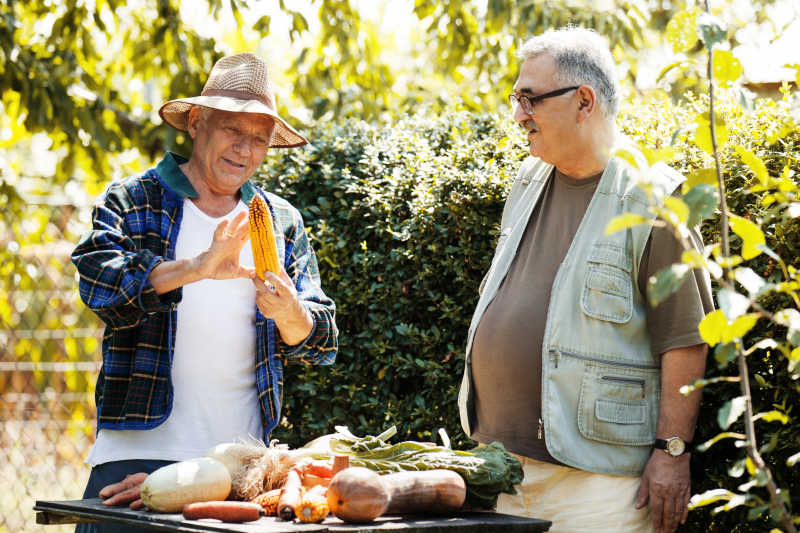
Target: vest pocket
point(619, 404)
point(608, 289)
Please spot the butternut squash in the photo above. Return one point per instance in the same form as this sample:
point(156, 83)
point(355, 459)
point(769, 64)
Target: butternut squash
point(357, 495)
point(425, 491)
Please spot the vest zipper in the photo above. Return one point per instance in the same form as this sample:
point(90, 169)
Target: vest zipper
point(556, 353)
point(627, 381)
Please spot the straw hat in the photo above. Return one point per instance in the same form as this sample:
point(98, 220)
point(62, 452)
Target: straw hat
point(237, 83)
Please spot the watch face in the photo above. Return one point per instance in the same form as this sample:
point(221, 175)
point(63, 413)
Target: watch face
point(675, 446)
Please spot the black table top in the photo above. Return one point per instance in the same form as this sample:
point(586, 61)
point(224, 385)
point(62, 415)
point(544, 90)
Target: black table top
point(70, 511)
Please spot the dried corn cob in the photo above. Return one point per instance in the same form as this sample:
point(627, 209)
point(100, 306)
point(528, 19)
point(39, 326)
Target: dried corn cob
point(262, 238)
point(269, 501)
point(313, 505)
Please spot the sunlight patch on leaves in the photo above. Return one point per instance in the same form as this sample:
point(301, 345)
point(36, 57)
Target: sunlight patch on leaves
point(681, 31)
point(730, 412)
point(702, 133)
point(754, 163)
point(751, 234)
point(727, 68)
point(628, 220)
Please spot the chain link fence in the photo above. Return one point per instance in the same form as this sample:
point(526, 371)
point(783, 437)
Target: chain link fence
point(49, 359)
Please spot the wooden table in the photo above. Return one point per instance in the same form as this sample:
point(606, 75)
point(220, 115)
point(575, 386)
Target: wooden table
point(71, 511)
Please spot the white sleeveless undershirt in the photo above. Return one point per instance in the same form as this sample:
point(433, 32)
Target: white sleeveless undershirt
point(213, 368)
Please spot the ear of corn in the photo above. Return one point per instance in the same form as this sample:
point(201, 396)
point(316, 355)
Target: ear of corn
point(262, 237)
point(269, 501)
point(313, 505)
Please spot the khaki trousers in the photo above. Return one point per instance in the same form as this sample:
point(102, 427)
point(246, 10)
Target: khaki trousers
point(576, 501)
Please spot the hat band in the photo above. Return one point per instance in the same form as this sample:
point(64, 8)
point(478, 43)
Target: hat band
point(239, 95)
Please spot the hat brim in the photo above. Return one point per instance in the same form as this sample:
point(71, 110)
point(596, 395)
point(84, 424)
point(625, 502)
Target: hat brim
point(176, 114)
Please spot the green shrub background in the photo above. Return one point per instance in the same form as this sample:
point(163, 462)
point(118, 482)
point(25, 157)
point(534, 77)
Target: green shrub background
point(404, 217)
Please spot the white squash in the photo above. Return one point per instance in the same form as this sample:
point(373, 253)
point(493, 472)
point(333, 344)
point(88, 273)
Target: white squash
point(171, 487)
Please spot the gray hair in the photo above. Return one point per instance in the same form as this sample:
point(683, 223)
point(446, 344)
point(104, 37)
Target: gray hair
point(582, 57)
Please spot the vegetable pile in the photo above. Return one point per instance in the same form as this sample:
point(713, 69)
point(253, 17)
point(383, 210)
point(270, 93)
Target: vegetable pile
point(356, 478)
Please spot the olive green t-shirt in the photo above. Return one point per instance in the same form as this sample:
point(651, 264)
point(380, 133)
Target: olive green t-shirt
point(507, 348)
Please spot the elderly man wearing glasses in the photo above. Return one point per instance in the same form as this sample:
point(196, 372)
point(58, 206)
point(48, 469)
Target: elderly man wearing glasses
point(567, 364)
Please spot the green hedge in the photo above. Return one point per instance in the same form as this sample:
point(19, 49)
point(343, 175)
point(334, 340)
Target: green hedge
point(404, 217)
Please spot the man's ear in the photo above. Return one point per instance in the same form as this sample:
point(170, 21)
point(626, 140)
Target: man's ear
point(587, 102)
point(192, 120)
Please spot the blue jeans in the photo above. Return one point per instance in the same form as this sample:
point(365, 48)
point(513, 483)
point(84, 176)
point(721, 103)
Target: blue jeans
point(108, 474)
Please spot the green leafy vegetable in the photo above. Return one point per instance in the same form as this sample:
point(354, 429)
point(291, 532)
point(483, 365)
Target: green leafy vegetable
point(487, 470)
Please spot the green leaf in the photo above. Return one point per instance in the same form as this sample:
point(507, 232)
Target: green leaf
point(715, 328)
point(788, 317)
point(741, 326)
point(730, 412)
point(751, 281)
point(695, 259)
point(682, 65)
point(736, 501)
point(710, 496)
point(628, 220)
point(727, 68)
point(712, 326)
point(262, 25)
point(665, 282)
point(700, 383)
point(751, 235)
point(727, 435)
point(772, 416)
point(701, 199)
point(700, 176)
point(710, 29)
point(732, 303)
point(736, 469)
point(763, 344)
point(725, 352)
point(753, 163)
point(754, 513)
point(793, 460)
point(679, 207)
point(681, 31)
point(632, 157)
point(702, 133)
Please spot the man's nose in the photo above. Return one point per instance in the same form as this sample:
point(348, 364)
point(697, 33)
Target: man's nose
point(519, 114)
point(244, 144)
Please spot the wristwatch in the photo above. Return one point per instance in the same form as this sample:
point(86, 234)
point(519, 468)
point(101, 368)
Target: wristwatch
point(674, 446)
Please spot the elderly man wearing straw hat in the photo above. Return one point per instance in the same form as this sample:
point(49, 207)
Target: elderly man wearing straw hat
point(195, 342)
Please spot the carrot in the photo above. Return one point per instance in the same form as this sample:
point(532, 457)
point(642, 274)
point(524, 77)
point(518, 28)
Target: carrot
point(227, 511)
point(318, 468)
point(290, 498)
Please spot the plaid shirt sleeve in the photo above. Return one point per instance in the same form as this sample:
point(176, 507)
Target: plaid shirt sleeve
point(300, 263)
point(113, 270)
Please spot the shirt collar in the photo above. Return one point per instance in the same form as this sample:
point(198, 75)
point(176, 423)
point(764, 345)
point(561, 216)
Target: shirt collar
point(174, 178)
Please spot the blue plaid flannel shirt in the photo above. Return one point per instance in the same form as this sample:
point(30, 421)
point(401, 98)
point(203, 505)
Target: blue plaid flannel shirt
point(135, 225)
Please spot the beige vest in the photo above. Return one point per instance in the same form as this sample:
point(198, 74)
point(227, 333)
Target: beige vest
point(600, 379)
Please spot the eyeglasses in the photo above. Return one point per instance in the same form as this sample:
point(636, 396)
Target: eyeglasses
point(527, 102)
